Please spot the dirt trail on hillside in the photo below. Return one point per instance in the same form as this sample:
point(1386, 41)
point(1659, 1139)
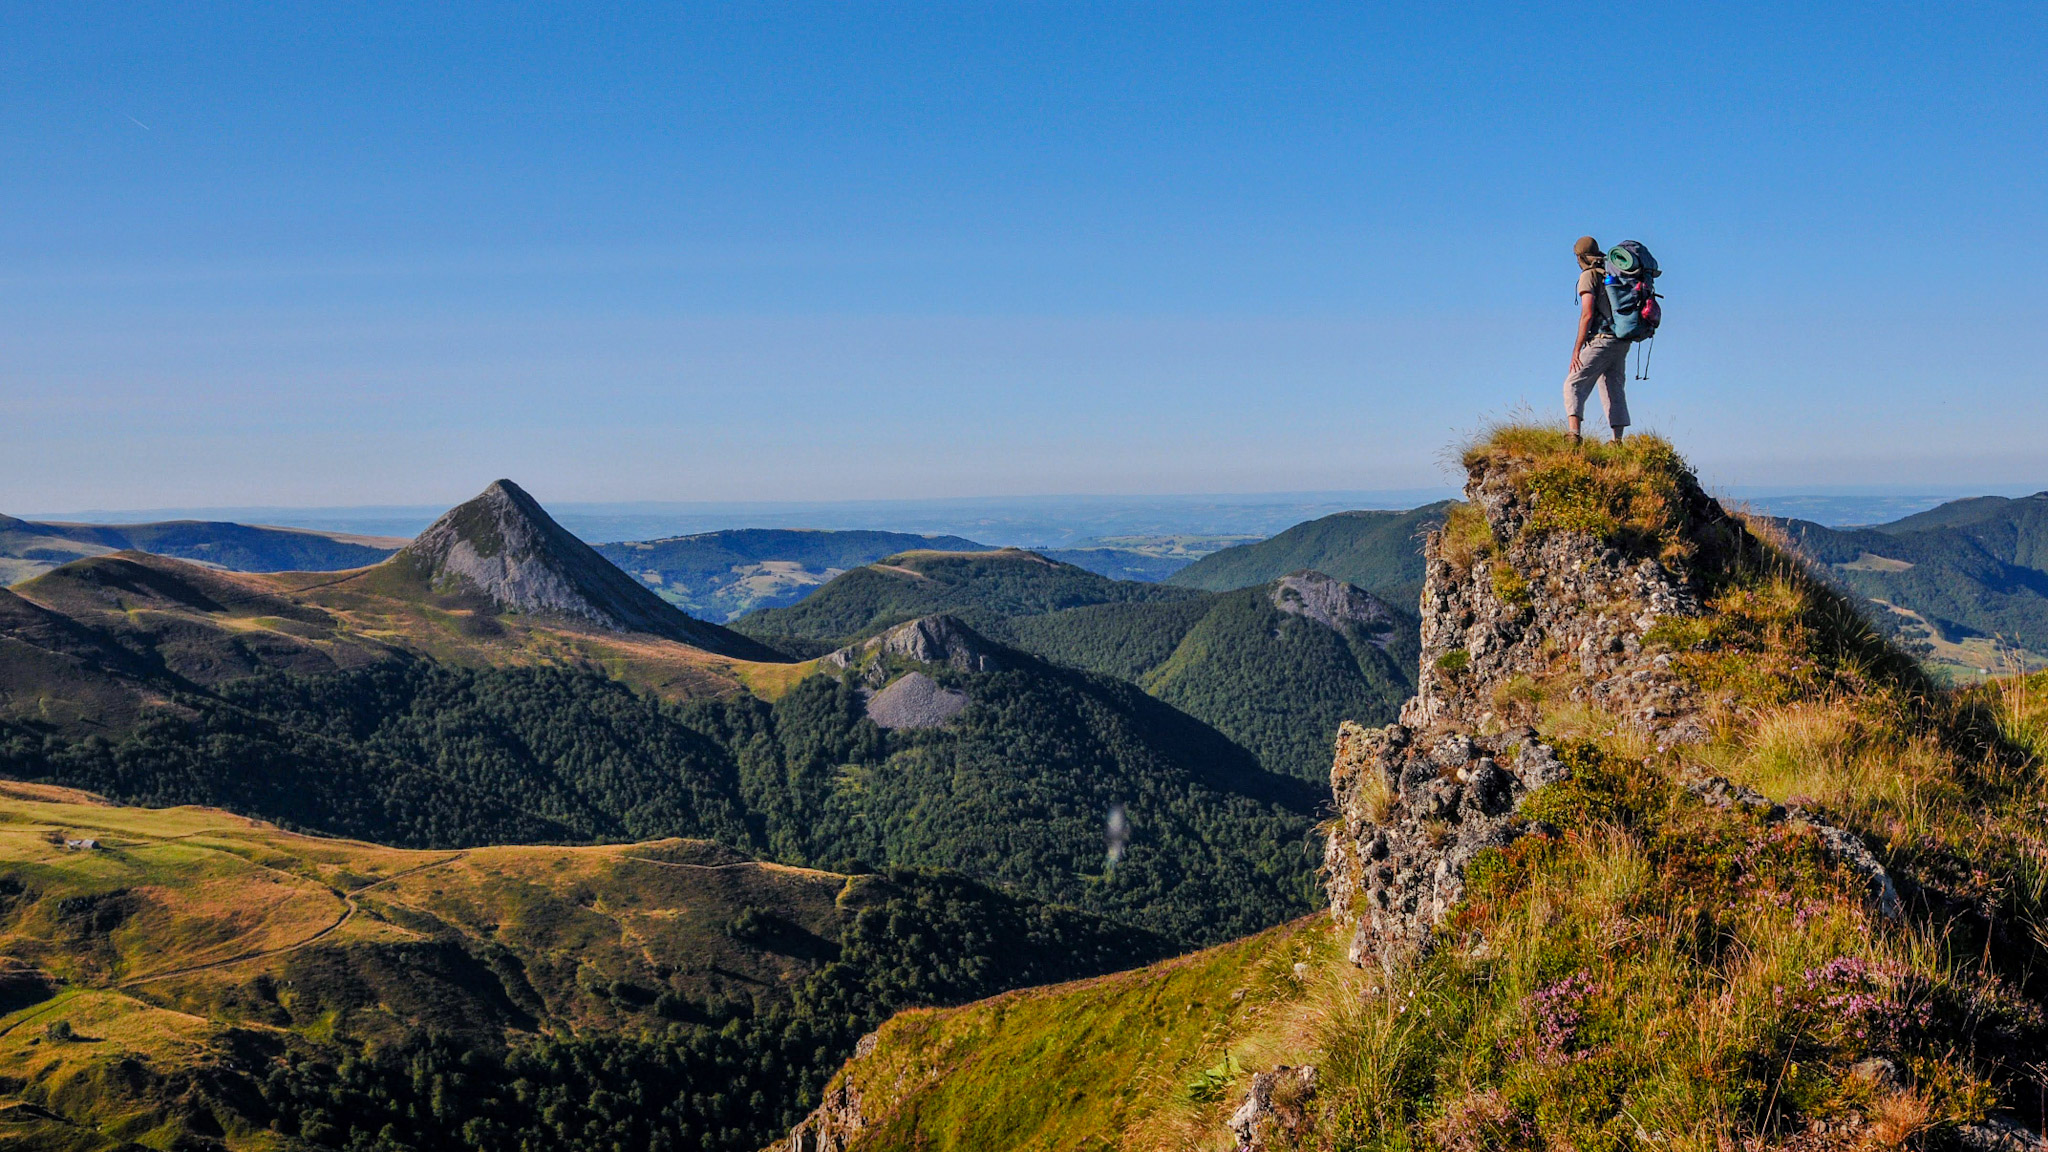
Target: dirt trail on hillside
point(349, 909)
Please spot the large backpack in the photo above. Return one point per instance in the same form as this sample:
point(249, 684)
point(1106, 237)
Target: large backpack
point(1631, 291)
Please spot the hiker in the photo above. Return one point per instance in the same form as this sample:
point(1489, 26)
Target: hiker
point(1597, 356)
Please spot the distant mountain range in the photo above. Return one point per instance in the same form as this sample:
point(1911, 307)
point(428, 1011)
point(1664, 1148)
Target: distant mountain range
point(1951, 579)
point(30, 548)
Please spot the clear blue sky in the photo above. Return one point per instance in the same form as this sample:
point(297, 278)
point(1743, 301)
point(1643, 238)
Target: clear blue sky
point(335, 254)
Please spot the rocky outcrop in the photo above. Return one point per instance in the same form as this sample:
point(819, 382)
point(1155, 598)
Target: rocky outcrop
point(1562, 605)
point(1335, 604)
point(834, 1125)
point(1560, 612)
point(1418, 799)
point(1275, 1109)
point(503, 548)
point(941, 640)
point(1413, 808)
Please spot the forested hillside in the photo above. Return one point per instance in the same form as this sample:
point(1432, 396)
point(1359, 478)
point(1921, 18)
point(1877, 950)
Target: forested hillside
point(1015, 791)
point(1970, 569)
point(1253, 663)
point(193, 978)
point(1270, 676)
point(1380, 552)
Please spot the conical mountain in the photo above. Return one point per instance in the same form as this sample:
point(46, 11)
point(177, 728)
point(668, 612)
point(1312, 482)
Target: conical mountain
point(502, 546)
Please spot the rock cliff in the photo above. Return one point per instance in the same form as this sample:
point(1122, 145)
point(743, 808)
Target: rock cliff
point(1534, 592)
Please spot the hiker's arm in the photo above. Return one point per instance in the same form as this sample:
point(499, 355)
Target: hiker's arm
point(1585, 328)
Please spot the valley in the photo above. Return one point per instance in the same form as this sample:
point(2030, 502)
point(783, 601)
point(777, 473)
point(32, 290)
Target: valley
point(496, 802)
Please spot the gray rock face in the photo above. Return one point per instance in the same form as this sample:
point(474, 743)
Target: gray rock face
point(939, 639)
point(504, 547)
point(915, 700)
point(1334, 604)
point(1413, 809)
point(1275, 1109)
point(1582, 608)
point(835, 1124)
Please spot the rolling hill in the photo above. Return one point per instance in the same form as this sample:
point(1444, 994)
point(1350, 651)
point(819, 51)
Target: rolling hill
point(1274, 667)
point(1950, 579)
point(186, 978)
point(985, 589)
point(1380, 552)
point(1013, 788)
point(721, 576)
point(97, 643)
point(498, 681)
point(30, 548)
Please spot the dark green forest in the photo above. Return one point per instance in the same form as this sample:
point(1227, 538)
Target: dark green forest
point(1380, 552)
point(1014, 792)
point(1975, 567)
point(723, 1076)
point(1274, 682)
point(986, 590)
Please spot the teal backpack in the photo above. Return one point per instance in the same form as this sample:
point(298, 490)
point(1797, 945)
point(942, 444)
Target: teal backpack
point(1632, 291)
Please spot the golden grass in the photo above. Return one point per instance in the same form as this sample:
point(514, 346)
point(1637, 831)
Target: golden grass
point(1105, 1062)
point(771, 682)
point(1630, 492)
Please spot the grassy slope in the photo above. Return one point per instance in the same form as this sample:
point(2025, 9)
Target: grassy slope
point(1651, 972)
point(192, 933)
point(1111, 1059)
point(1380, 552)
point(127, 626)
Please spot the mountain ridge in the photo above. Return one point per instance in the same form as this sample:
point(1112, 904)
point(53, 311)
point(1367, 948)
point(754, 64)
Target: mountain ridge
point(503, 546)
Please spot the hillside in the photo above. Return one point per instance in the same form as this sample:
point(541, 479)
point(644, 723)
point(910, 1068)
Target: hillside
point(1671, 849)
point(192, 979)
point(1252, 663)
point(97, 644)
point(30, 548)
point(1380, 552)
point(984, 589)
point(1274, 667)
point(720, 576)
point(1951, 578)
point(1013, 788)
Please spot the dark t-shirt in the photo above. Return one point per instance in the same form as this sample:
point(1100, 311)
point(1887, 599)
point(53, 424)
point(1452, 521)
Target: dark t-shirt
point(1594, 280)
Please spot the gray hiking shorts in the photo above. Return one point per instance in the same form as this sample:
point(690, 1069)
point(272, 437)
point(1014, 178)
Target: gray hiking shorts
point(1603, 361)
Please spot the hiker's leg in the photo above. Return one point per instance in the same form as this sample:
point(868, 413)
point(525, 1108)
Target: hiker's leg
point(1614, 386)
point(1579, 385)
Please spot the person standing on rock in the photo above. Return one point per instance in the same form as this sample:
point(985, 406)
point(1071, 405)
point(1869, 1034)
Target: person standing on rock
point(1597, 355)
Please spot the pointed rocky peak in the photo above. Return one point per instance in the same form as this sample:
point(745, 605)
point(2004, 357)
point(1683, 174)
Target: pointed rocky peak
point(504, 547)
point(1335, 604)
point(941, 640)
